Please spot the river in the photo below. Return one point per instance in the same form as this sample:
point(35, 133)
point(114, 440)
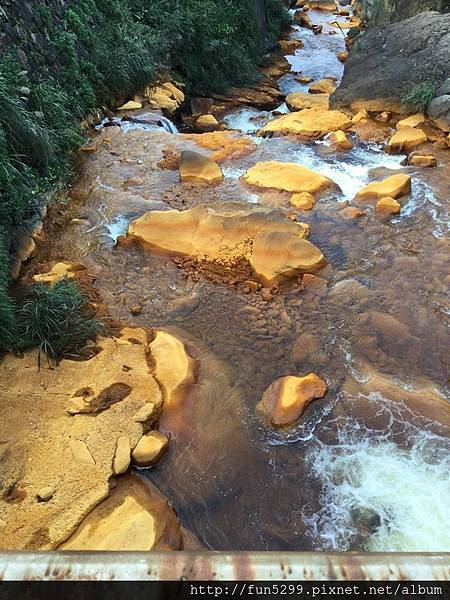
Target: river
point(367, 467)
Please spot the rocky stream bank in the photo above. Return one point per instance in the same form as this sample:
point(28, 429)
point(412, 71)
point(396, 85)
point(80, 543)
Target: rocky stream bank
point(274, 271)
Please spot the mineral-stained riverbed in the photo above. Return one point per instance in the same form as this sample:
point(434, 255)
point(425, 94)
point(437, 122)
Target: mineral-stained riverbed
point(367, 466)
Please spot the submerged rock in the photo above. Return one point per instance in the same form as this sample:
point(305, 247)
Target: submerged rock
point(135, 517)
point(289, 177)
point(224, 144)
point(196, 168)
point(285, 400)
point(308, 124)
point(387, 206)
point(394, 187)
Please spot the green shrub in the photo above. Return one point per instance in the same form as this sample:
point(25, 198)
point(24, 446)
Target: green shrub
point(101, 50)
point(57, 320)
point(419, 97)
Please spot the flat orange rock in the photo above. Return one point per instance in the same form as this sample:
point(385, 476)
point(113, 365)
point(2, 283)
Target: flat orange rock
point(394, 187)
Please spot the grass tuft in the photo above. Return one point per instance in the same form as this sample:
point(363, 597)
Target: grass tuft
point(419, 97)
point(57, 319)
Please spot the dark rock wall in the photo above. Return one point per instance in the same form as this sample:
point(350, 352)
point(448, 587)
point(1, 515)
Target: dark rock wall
point(23, 21)
point(387, 62)
point(391, 11)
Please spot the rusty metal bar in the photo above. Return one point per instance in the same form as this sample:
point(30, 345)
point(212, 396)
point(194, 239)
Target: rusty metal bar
point(198, 566)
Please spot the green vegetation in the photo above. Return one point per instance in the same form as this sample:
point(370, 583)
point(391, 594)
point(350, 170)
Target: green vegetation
point(56, 319)
point(419, 97)
point(99, 51)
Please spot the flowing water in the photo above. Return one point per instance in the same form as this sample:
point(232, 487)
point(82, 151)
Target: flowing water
point(367, 467)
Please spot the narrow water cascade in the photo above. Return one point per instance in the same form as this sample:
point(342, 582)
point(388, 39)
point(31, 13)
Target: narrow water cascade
point(366, 466)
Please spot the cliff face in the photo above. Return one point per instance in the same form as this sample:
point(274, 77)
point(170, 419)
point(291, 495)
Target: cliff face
point(391, 11)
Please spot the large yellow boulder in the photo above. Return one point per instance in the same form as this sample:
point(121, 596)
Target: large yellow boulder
point(405, 139)
point(196, 168)
point(308, 124)
point(278, 255)
point(135, 517)
point(393, 187)
point(285, 399)
point(165, 97)
point(288, 177)
point(323, 86)
point(227, 233)
point(131, 105)
point(300, 101)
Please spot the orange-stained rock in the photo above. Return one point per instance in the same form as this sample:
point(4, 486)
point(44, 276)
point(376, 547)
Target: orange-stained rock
point(303, 19)
point(383, 117)
point(422, 160)
point(323, 86)
point(277, 255)
point(411, 121)
point(322, 5)
point(150, 449)
point(231, 231)
point(207, 123)
point(225, 145)
point(387, 206)
point(300, 101)
point(308, 124)
point(58, 272)
point(394, 187)
point(342, 56)
point(135, 517)
point(351, 212)
point(165, 97)
point(340, 140)
point(285, 400)
point(122, 457)
point(174, 368)
point(289, 177)
point(197, 168)
point(361, 115)
point(131, 105)
point(288, 47)
point(303, 201)
point(74, 455)
point(405, 139)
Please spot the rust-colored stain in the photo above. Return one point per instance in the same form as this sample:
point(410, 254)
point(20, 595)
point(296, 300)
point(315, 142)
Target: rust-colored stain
point(208, 566)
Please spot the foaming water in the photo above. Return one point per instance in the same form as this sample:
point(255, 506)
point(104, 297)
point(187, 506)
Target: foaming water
point(350, 170)
point(392, 493)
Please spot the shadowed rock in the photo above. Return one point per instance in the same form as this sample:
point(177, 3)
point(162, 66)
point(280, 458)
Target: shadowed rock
point(196, 168)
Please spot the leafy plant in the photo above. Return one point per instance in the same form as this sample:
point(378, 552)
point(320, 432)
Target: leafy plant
point(419, 96)
point(57, 320)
